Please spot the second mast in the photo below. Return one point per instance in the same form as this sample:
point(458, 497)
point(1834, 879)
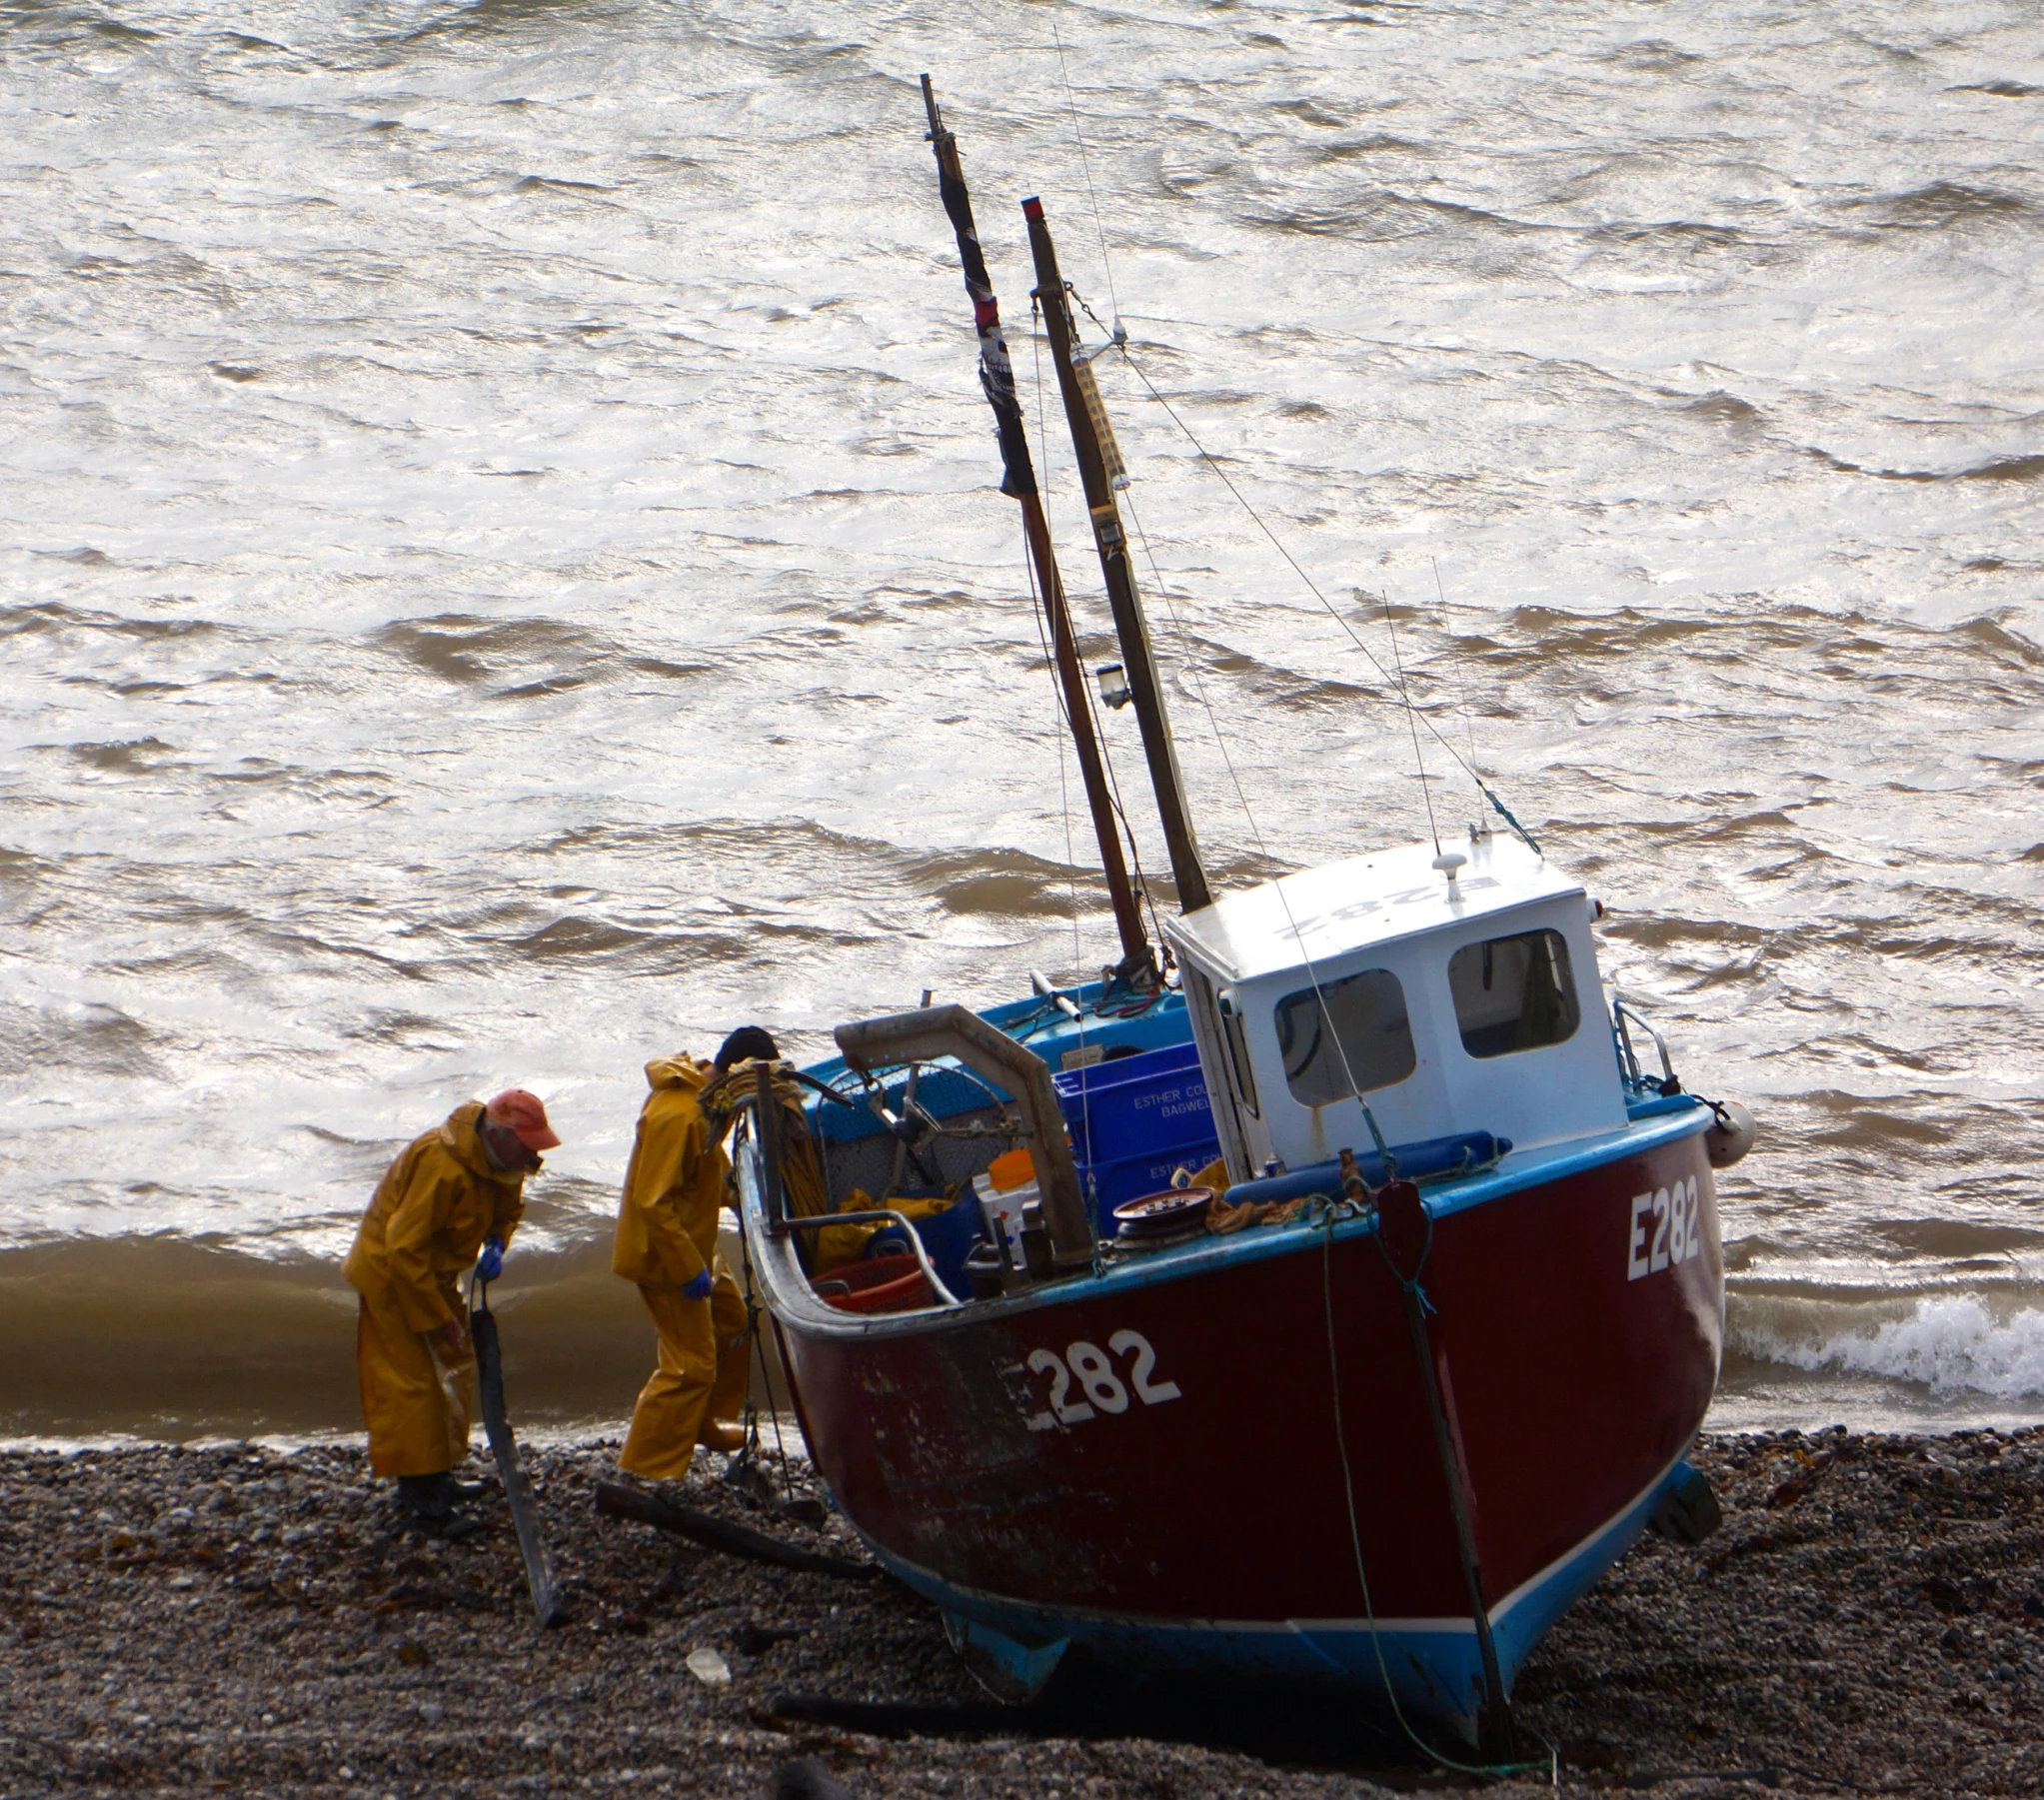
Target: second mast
point(1112, 542)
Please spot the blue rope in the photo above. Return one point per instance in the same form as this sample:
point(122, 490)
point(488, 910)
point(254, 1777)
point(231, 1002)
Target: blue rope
point(1504, 813)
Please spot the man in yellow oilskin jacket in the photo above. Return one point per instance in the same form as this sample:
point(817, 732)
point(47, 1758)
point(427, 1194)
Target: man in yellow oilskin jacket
point(449, 1202)
point(675, 1186)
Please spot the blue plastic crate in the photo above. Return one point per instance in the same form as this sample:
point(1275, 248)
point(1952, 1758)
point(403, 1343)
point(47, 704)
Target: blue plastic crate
point(1137, 1107)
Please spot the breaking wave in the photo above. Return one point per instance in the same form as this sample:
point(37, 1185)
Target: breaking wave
point(1949, 1345)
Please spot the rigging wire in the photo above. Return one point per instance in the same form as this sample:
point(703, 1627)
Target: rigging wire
point(1277, 887)
point(1086, 165)
point(1118, 336)
point(1312, 587)
point(1333, 1035)
point(1040, 609)
point(1262, 846)
point(1469, 717)
point(1412, 719)
point(1198, 681)
point(1255, 828)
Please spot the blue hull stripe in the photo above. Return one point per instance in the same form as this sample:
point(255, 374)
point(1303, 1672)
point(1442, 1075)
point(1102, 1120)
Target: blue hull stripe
point(1433, 1663)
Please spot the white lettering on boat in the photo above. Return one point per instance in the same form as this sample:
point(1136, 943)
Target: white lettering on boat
point(1097, 1375)
point(1064, 1409)
point(1151, 1394)
point(1171, 1101)
point(1663, 1230)
point(1103, 1388)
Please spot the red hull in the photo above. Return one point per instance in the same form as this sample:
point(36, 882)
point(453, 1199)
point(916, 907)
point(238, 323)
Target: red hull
point(1572, 1382)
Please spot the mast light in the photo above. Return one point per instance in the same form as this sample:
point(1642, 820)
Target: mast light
point(1113, 681)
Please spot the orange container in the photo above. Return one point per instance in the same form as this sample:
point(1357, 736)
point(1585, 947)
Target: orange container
point(1014, 1168)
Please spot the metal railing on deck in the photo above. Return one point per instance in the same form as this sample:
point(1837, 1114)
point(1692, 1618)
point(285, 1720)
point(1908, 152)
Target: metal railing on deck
point(1623, 1018)
point(774, 1192)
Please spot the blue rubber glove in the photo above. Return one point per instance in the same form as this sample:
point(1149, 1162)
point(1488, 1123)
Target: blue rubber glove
point(490, 1264)
point(698, 1290)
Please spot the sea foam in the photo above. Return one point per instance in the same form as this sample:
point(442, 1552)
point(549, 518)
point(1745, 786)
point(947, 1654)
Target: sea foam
point(1949, 1345)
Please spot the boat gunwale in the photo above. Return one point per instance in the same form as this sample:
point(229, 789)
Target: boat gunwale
point(795, 1308)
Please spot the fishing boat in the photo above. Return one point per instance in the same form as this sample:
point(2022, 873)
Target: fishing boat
point(1357, 1170)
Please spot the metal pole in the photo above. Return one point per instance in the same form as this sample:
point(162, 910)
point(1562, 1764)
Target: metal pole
point(1496, 1713)
point(1405, 1234)
point(766, 1122)
point(1139, 661)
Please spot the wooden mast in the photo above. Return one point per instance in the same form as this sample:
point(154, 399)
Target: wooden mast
point(1091, 446)
point(1019, 479)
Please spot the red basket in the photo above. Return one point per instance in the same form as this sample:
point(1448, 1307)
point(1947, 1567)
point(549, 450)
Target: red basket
point(885, 1284)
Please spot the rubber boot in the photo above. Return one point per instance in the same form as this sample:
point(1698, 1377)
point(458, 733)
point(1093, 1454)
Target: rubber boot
point(426, 1498)
point(428, 1502)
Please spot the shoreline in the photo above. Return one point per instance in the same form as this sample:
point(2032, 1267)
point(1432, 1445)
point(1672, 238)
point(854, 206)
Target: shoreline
point(1870, 1617)
point(200, 1343)
point(1740, 1413)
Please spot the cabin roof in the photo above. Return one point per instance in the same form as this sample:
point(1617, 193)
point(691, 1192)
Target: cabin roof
point(1341, 907)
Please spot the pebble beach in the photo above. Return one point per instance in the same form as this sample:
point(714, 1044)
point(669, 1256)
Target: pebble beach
point(247, 1619)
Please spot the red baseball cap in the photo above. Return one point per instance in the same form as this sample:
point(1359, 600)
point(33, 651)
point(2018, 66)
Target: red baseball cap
point(525, 1116)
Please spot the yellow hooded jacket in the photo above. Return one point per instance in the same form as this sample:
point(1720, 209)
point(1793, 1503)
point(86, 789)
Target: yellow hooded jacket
point(675, 1182)
point(440, 1200)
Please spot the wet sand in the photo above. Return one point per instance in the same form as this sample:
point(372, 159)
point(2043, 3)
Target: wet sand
point(237, 1619)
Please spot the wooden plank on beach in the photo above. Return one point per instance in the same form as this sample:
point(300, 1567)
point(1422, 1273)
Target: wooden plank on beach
point(619, 1503)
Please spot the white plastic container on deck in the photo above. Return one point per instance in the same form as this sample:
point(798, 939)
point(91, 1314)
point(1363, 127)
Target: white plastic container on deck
point(1004, 1191)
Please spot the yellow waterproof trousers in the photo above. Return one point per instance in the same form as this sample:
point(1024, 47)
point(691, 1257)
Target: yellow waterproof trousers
point(416, 1399)
point(673, 1405)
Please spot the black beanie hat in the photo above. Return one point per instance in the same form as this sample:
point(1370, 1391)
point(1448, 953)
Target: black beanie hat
point(744, 1045)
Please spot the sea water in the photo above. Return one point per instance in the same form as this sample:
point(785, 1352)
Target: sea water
point(501, 577)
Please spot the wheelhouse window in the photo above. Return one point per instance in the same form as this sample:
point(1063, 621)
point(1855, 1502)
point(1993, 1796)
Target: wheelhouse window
point(1514, 994)
point(1369, 1045)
